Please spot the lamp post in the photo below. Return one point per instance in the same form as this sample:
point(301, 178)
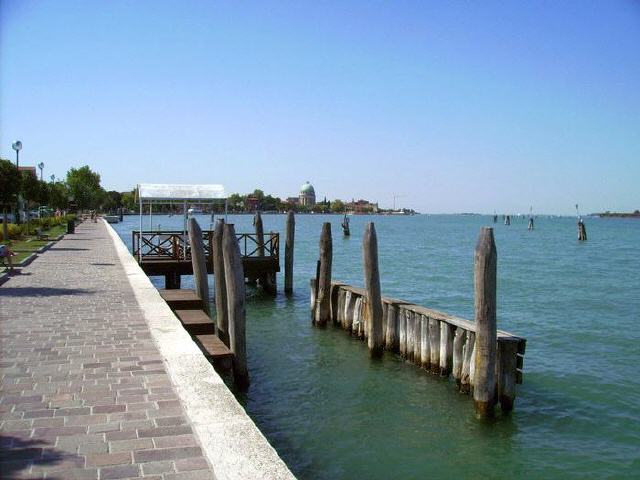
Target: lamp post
point(41, 167)
point(17, 146)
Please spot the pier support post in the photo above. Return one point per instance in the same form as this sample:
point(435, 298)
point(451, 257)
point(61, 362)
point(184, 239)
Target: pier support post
point(234, 278)
point(373, 307)
point(485, 271)
point(322, 312)
point(288, 252)
point(172, 280)
point(199, 263)
point(220, 284)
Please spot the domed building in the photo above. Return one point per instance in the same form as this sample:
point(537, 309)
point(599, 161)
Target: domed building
point(307, 195)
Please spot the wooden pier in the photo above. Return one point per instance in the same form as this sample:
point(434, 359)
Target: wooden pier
point(168, 254)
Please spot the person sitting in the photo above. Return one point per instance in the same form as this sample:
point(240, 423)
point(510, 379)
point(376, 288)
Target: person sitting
point(6, 253)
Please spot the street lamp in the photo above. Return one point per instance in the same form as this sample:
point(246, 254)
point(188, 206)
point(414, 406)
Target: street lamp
point(41, 167)
point(17, 146)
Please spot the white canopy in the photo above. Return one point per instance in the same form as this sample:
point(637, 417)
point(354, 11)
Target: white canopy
point(163, 191)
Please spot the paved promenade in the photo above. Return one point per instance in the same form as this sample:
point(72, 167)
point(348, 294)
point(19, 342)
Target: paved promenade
point(84, 390)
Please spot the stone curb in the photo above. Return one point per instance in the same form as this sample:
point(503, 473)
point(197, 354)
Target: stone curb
point(230, 440)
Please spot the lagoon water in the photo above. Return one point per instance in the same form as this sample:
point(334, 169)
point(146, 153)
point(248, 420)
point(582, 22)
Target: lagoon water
point(332, 413)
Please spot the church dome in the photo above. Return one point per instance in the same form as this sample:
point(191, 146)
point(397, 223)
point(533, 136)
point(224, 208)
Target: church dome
point(307, 189)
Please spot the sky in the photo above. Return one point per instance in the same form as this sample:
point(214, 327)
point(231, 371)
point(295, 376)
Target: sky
point(443, 106)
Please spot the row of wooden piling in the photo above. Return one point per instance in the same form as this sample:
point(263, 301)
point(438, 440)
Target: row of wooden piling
point(482, 360)
point(229, 290)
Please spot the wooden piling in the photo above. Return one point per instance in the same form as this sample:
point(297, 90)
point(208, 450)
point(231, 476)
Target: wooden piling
point(458, 346)
point(417, 338)
point(402, 332)
point(410, 333)
point(391, 340)
point(172, 280)
point(506, 372)
point(234, 277)
point(323, 310)
point(582, 231)
point(425, 347)
point(446, 349)
point(199, 263)
point(257, 222)
point(372, 287)
point(288, 252)
point(222, 315)
point(465, 377)
point(485, 270)
point(434, 345)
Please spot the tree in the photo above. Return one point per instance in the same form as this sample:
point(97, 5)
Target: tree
point(58, 195)
point(84, 186)
point(112, 200)
point(128, 200)
point(337, 206)
point(9, 185)
point(235, 202)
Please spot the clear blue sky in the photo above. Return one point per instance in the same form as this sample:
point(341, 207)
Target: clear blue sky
point(453, 106)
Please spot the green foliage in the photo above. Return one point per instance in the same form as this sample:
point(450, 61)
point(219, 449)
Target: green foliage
point(20, 231)
point(128, 200)
point(9, 183)
point(84, 186)
point(337, 206)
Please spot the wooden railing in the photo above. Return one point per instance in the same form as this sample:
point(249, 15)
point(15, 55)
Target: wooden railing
point(174, 245)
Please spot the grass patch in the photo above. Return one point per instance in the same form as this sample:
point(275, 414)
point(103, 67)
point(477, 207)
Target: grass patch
point(26, 246)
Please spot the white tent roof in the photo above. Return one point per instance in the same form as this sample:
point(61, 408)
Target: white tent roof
point(164, 191)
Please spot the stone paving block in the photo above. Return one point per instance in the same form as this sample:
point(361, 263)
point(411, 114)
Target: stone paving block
point(81, 375)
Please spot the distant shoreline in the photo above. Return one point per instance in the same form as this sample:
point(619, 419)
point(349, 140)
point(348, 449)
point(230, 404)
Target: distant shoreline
point(635, 214)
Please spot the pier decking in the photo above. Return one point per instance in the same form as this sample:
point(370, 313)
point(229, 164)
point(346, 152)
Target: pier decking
point(91, 390)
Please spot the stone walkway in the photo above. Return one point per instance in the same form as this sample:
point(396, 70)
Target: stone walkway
point(84, 390)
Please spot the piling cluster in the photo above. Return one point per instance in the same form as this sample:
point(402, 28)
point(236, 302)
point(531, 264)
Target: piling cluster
point(483, 361)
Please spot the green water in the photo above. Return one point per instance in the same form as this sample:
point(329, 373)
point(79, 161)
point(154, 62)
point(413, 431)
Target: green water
point(332, 413)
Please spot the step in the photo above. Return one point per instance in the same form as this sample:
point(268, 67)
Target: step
point(179, 299)
point(196, 322)
point(212, 347)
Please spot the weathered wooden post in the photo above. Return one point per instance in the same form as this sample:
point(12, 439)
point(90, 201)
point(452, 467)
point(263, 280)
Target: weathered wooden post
point(257, 221)
point(485, 269)
point(199, 263)
point(373, 307)
point(234, 278)
point(507, 365)
point(323, 298)
point(288, 252)
point(582, 231)
point(222, 314)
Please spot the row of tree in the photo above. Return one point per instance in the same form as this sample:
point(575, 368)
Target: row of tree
point(81, 188)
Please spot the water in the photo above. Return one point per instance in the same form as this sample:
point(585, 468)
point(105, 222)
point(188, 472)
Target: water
point(332, 413)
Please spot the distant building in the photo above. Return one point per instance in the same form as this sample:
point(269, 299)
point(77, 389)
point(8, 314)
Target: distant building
point(293, 200)
point(251, 203)
point(31, 170)
point(362, 206)
point(307, 195)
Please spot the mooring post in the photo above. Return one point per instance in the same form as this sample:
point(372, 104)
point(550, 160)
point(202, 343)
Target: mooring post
point(288, 252)
point(222, 314)
point(257, 221)
point(234, 278)
point(199, 263)
point(323, 298)
point(485, 270)
point(582, 231)
point(373, 307)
